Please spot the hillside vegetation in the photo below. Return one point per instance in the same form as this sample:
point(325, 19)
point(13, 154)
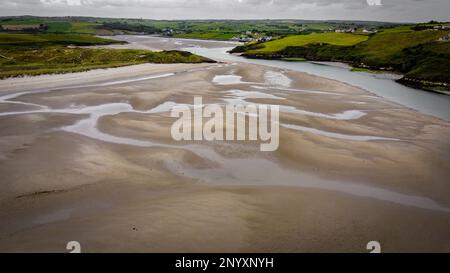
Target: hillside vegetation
point(204, 29)
point(385, 45)
point(340, 39)
point(418, 54)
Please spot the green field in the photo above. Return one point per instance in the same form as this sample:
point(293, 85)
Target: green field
point(71, 27)
point(319, 26)
point(204, 29)
point(340, 39)
point(84, 27)
point(30, 54)
point(58, 27)
point(54, 26)
point(384, 45)
point(22, 21)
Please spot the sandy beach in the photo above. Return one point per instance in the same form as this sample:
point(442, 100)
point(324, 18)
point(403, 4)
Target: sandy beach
point(89, 157)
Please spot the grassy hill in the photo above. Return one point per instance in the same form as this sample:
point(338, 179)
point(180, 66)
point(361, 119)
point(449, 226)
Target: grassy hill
point(34, 54)
point(424, 61)
point(383, 46)
point(340, 39)
point(53, 25)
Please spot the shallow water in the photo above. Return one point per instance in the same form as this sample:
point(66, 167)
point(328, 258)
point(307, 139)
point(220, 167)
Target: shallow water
point(238, 171)
point(256, 171)
point(247, 171)
point(426, 102)
point(251, 171)
point(335, 135)
point(276, 78)
point(236, 93)
point(133, 80)
point(346, 115)
point(227, 79)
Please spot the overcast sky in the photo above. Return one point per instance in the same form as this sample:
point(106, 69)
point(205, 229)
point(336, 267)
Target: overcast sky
point(380, 10)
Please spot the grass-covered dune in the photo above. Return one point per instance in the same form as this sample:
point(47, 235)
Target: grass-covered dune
point(275, 48)
point(418, 54)
point(340, 39)
point(35, 54)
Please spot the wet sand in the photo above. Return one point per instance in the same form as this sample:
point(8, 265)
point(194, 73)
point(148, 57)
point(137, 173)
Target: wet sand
point(89, 157)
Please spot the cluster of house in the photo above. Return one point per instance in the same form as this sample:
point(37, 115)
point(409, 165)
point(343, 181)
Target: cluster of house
point(354, 29)
point(446, 38)
point(345, 30)
point(441, 27)
point(168, 32)
point(249, 36)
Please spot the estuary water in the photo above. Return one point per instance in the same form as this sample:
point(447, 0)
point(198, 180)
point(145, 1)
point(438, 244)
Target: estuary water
point(383, 85)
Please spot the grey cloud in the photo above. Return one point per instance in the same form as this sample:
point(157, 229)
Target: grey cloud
point(391, 10)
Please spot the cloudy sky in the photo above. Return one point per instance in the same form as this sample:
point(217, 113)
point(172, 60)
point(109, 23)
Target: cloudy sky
point(381, 10)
